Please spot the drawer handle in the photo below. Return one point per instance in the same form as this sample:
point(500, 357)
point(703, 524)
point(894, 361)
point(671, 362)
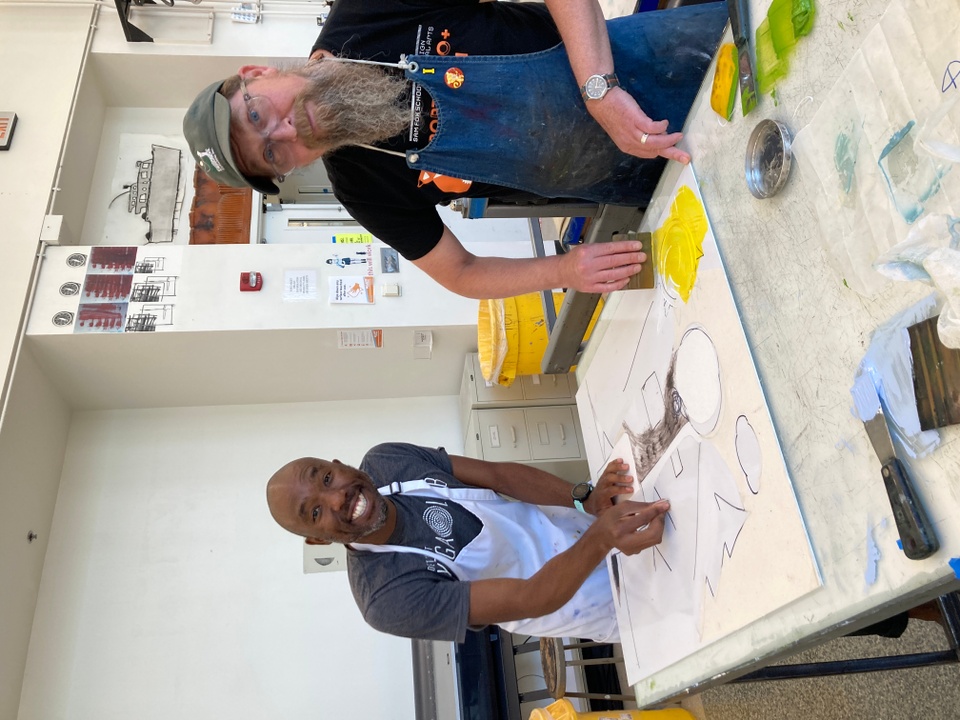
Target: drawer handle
point(563, 435)
point(513, 436)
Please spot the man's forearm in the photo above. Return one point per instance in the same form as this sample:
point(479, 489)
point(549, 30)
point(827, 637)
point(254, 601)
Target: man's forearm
point(532, 485)
point(549, 589)
point(598, 267)
point(497, 277)
point(584, 32)
point(629, 527)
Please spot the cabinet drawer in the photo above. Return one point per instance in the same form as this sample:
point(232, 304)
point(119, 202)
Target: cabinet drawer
point(483, 393)
point(546, 387)
point(553, 433)
point(503, 435)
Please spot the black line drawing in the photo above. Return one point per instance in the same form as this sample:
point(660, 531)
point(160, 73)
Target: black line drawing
point(748, 453)
point(149, 265)
point(155, 194)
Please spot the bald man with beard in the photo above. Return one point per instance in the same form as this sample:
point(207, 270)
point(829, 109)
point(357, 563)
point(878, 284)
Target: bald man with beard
point(435, 548)
point(263, 123)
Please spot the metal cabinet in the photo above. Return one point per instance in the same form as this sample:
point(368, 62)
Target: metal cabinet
point(534, 421)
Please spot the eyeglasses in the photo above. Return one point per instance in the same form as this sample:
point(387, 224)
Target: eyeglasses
point(264, 118)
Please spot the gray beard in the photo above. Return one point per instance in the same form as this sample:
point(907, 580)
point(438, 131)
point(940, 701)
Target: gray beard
point(352, 104)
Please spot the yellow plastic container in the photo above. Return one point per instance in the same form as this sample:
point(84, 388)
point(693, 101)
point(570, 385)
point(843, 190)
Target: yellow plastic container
point(723, 94)
point(512, 336)
point(563, 710)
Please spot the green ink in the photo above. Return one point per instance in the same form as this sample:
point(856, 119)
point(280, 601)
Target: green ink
point(850, 17)
point(845, 284)
point(845, 156)
point(779, 15)
point(802, 17)
point(776, 97)
point(841, 25)
point(770, 67)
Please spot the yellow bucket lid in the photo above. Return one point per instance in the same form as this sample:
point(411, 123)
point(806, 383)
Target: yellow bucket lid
point(562, 709)
point(498, 340)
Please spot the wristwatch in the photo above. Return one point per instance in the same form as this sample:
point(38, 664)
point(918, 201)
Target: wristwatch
point(597, 86)
point(580, 493)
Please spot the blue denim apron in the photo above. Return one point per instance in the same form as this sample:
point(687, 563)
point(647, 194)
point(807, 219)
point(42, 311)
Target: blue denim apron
point(519, 121)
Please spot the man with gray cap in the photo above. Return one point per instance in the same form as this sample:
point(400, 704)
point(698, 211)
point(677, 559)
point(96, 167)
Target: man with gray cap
point(465, 121)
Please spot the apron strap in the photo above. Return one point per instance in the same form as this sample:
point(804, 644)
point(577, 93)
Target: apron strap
point(452, 567)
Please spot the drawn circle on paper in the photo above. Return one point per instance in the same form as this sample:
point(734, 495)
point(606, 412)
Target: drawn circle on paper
point(696, 375)
point(439, 520)
point(68, 289)
point(76, 260)
point(63, 318)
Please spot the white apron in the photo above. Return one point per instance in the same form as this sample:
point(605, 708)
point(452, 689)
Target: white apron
point(515, 541)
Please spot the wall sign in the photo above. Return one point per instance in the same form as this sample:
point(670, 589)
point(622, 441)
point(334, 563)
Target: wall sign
point(8, 123)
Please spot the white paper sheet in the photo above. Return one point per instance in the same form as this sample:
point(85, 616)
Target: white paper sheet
point(672, 390)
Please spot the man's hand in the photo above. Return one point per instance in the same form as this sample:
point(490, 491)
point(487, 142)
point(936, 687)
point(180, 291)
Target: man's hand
point(602, 267)
point(631, 526)
point(612, 484)
point(625, 122)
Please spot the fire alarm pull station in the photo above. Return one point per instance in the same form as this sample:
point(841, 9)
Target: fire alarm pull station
point(251, 281)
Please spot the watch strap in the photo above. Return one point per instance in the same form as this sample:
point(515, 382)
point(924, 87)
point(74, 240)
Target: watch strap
point(579, 506)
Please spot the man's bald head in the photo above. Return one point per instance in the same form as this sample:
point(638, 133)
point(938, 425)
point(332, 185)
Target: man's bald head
point(327, 501)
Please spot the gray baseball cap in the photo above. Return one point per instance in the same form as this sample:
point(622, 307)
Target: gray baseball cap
point(207, 129)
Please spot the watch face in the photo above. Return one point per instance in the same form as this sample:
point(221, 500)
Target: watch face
point(581, 491)
point(595, 87)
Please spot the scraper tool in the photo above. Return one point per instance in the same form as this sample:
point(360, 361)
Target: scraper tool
point(916, 531)
point(936, 376)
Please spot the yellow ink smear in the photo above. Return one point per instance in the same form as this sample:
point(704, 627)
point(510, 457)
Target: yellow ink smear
point(678, 243)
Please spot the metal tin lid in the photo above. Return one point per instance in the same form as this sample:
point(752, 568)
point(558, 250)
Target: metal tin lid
point(768, 158)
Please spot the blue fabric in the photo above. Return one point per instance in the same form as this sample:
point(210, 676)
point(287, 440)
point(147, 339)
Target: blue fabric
point(519, 120)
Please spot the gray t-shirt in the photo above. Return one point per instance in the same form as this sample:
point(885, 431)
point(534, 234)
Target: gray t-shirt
point(408, 594)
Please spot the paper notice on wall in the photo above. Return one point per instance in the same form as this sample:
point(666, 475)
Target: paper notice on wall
point(352, 238)
point(359, 339)
point(299, 285)
point(422, 344)
point(351, 289)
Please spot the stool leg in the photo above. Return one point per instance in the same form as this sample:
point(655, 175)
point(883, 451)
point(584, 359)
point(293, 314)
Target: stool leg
point(592, 661)
point(602, 696)
point(949, 605)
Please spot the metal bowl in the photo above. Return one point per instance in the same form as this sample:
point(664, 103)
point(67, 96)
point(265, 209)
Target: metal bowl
point(768, 158)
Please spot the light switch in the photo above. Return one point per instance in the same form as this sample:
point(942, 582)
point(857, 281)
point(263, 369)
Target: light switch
point(391, 290)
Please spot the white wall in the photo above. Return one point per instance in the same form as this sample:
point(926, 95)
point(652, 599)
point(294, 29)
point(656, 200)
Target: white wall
point(208, 293)
point(32, 444)
point(168, 592)
point(40, 51)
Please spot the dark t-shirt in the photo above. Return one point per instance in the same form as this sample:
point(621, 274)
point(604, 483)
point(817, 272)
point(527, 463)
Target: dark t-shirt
point(379, 189)
point(404, 593)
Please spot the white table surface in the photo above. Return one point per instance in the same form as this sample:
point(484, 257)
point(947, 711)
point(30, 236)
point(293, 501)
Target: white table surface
point(808, 333)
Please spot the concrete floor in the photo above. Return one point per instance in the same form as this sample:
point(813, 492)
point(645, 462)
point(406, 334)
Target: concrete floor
point(931, 693)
